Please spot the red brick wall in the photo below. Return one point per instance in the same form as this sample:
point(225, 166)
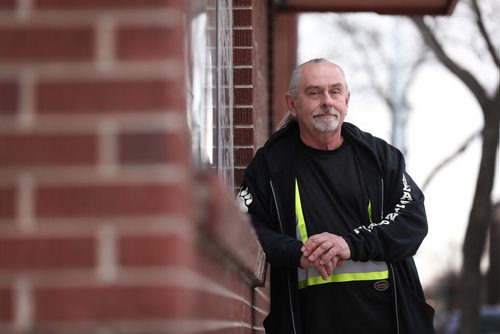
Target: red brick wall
point(104, 224)
point(251, 73)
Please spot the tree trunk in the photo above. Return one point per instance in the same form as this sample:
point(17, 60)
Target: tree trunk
point(493, 276)
point(479, 220)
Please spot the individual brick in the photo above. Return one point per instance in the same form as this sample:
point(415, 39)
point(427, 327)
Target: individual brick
point(6, 305)
point(152, 148)
point(47, 149)
point(242, 37)
point(148, 43)
point(107, 96)
point(105, 4)
point(243, 136)
point(7, 202)
point(243, 76)
point(154, 250)
point(46, 44)
point(112, 302)
point(42, 253)
point(9, 97)
point(243, 96)
point(110, 200)
point(242, 56)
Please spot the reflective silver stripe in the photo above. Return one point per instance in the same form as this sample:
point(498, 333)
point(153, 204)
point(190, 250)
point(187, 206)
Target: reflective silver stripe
point(349, 272)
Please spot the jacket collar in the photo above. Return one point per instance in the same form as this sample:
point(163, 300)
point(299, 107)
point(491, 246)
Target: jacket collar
point(280, 148)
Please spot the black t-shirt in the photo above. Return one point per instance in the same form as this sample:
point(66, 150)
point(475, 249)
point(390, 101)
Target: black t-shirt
point(334, 200)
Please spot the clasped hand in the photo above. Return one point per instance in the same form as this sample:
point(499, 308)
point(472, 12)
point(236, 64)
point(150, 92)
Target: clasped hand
point(325, 252)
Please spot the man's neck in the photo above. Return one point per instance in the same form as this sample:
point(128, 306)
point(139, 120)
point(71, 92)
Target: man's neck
point(327, 141)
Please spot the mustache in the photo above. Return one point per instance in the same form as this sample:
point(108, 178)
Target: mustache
point(330, 111)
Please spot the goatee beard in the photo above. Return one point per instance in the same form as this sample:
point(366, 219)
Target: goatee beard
point(326, 124)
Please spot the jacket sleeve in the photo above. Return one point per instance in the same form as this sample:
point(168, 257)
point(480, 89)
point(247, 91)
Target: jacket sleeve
point(400, 230)
point(256, 197)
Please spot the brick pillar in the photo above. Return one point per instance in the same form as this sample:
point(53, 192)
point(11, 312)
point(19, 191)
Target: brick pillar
point(104, 225)
point(251, 80)
point(95, 217)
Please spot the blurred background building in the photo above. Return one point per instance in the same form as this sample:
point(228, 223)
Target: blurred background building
point(125, 127)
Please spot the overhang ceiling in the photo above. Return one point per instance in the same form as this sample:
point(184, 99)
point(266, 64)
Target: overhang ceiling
point(396, 7)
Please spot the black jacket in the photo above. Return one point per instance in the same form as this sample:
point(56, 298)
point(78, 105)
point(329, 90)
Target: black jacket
point(396, 231)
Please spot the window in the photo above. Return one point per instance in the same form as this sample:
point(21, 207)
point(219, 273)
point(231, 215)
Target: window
point(210, 87)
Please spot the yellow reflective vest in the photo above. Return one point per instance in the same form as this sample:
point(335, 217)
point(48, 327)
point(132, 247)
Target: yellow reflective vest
point(350, 271)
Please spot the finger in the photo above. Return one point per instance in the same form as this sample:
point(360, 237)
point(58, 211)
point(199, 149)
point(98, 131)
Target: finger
point(309, 246)
point(313, 242)
point(322, 249)
point(323, 272)
point(329, 268)
point(304, 262)
point(334, 261)
point(327, 256)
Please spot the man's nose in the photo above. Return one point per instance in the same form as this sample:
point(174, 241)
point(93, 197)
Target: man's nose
point(326, 100)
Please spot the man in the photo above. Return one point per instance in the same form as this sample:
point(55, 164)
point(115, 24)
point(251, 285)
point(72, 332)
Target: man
point(338, 218)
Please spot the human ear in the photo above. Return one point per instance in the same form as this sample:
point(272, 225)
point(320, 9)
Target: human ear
point(290, 103)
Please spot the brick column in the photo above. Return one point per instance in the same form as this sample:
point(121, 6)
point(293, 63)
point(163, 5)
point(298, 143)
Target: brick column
point(104, 225)
point(251, 62)
point(95, 218)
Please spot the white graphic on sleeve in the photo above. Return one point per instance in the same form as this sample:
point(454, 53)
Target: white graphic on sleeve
point(391, 217)
point(244, 199)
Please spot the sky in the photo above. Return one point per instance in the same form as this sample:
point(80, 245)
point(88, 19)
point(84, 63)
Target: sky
point(444, 114)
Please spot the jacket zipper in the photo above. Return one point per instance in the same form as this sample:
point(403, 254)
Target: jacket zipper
point(382, 205)
point(395, 297)
point(288, 276)
point(390, 264)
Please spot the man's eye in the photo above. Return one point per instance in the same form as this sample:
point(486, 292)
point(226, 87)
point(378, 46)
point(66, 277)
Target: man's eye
point(313, 95)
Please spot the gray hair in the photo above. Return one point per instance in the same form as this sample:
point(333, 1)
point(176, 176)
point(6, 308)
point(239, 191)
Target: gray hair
point(294, 79)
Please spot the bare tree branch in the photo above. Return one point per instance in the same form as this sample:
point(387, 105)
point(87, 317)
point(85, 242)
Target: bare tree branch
point(465, 76)
point(461, 149)
point(370, 69)
point(379, 87)
point(420, 60)
point(484, 33)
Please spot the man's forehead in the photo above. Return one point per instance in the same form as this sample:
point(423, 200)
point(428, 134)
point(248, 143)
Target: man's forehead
point(327, 85)
point(323, 74)
point(323, 66)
